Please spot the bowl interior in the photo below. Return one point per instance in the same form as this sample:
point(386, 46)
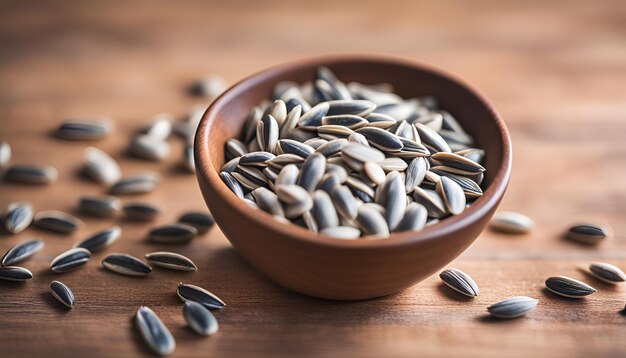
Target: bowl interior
point(226, 116)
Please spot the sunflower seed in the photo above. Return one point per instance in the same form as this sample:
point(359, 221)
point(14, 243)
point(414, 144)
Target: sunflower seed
point(374, 172)
point(588, 233)
point(5, 154)
point(432, 139)
point(171, 260)
point(360, 91)
point(381, 139)
point(268, 201)
point(312, 171)
point(203, 222)
point(414, 218)
point(371, 222)
point(433, 120)
point(331, 132)
point(344, 202)
point(355, 107)
point(278, 110)
point(401, 110)
point(62, 293)
point(267, 133)
point(452, 195)
point(18, 217)
point(70, 260)
point(512, 307)
point(470, 187)
point(232, 184)
point(57, 221)
point(172, 234)
point(141, 211)
point(568, 287)
point(84, 129)
point(210, 87)
point(460, 282)
point(101, 239)
point(21, 252)
point(256, 159)
point(250, 177)
point(394, 201)
point(100, 166)
point(199, 319)
point(235, 148)
point(99, 206)
point(15, 273)
point(347, 120)
point(160, 127)
point(431, 201)
point(313, 117)
point(391, 164)
point(473, 154)
point(457, 161)
point(415, 173)
point(342, 232)
point(362, 153)
point(188, 292)
point(291, 121)
point(148, 147)
point(329, 182)
point(154, 332)
point(126, 265)
point(512, 223)
point(31, 174)
point(137, 184)
point(607, 272)
point(324, 211)
point(380, 120)
point(332, 147)
point(290, 146)
point(188, 159)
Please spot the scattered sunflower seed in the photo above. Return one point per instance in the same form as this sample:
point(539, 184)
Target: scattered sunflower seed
point(513, 307)
point(568, 287)
point(171, 260)
point(590, 234)
point(460, 282)
point(101, 239)
point(160, 127)
point(209, 87)
point(154, 332)
point(15, 273)
point(512, 223)
point(188, 292)
point(199, 319)
point(173, 234)
point(70, 260)
point(5, 154)
point(100, 166)
point(62, 293)
point(452, 195)
point(141, 211)
point(21, 252)
point(607, 272)
point(149, 147)
point(99, 206)
point(201, 221)
point(137, 184)
point(18, 217)
point(57, 221)
point(125, 264)
point(84, 129)
point(31, 174)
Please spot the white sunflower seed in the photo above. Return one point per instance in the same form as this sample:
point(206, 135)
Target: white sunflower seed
point(288, 175)
point(512, 223)
point(136, 184)
point(512, 307)
point(607, 272)
point(452, 195)
point(460, 282)
point(394, 201)
point(100, 166)
point(342, 232)
point(5, 154)
point(18, 217)
point(374, 172)
point(188, 159)
point(148, 147)
point(154, 332)
point(200, 319)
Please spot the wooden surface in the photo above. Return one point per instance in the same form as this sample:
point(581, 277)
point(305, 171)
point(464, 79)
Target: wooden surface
point(554, 70)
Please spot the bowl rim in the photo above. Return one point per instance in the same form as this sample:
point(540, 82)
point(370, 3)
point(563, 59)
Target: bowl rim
point(208, 174)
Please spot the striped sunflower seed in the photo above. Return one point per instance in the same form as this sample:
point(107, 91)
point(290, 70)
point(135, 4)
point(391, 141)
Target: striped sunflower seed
point(402, 110)
point(154, 332)
point(362, 153)
point(379, 120)
point(313, 117)
point(358, 138)
point(171, 260)
point(99, 206)
point(5, 154)
point(291, 121)
point(344, 202)
point(457, 161)
point(136, 184)
point(62, 293)
point(209, 87)
point(267, 133)
point(84, 129)
point(290, 146)
point(329, 182)
point(355, 107)
point(469, 186)
point(288, 175)
point(21, 252)
point(432, 139)
point(371, 222)
point(203, 222)
point(568, 287)
point(101, 239)
point(414, 218)
point(188, 159)
point(331, 132)
point(70, 260)
point(347, 120)
point(381, 139)
point(324, 211)
point(18, 217)
point(148, 147)
point(57, 221)
point(278, 110)
point(235, 148)
point(312, 171)
point(607, 272)
point(460, 282)
point(330, 148)
point(513, 307)
point(141, 211)
point(125, 264)
point(394, 201)
point(473, 154)
point(188, 292)
point(374, 173)
point(590, 234)
point(431, 201)
point(231, 165)
point(15, 273)
point(232, 184)
point(100, 166)
point(200, 319)
point(160, 127)
point(31, 174)
point(512, 223)
point(256, 159)
point(342, 232)
point(391, 164)
point(452, 195)
point(268, 201)
point(173, 234)
point(415, 173)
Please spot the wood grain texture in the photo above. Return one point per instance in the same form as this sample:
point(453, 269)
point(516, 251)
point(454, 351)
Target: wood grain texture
point(554, 70)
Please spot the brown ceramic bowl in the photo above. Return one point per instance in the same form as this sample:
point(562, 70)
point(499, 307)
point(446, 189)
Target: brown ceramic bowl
point(325, 267)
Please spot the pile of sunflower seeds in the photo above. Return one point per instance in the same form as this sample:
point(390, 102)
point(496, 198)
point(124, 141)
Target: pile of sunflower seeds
point(352, 160)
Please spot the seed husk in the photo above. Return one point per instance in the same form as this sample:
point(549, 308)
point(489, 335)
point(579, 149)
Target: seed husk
point(99, 206)
point(148, 147)
point(460, 282)
point(154, 332)
point(291, 121)
point(5, 154)
point(313, 117)
point(232, 184)
point(62, 293)
point(268, 128)
point(512, 307)
point(362, 153)
point(282, 160)
point(380, 120)
point(414, 218)
point(452, 195)
point(607, 272)
point(344, 202)
point(330, 148)
point(125, 264)
point(141, 211)
point(21, 252)
point(137, 184)
point(374, 173)
point(171, 260)
point(457, 161)
point(329, 182)
point(431, 200)
point(312, 171)
point(268, 201)
point(84, 129)
point(188, 292)
point(100, 166)
point(432, 139)
point(371, 222)
point(173, 234)
point(350, 106)
point(288, 175)
point(331, 132)
point(568, 287)
point(590, 234)
point(324, 211)
point(256, 159)
point(342, 232)
point(200, 319)
point(391, 164)
point(57, 221)
point(469, 186)
point(101, 239)
point(415, 173)
point(394, 201)
point(160, 127)
point(512, 223)
point(203, 222)
point(381, 139)
point(290, 146)
point(70, 260)
point(31, 174)
point(235, 148)
point(347, 120)
point(18, 216)
point(292, 194)
point(15, 273)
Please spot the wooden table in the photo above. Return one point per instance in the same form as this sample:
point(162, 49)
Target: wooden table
point(554, 70)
